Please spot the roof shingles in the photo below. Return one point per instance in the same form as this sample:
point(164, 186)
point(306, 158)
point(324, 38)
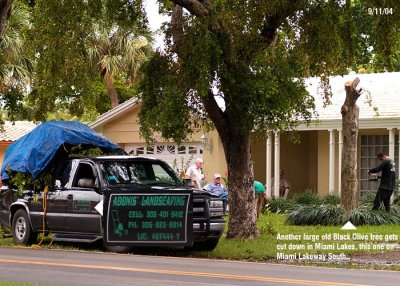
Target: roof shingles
point(12, 131)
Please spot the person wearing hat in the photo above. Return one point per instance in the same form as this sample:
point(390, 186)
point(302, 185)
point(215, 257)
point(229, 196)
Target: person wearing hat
point(388, 181)
point(218, 189)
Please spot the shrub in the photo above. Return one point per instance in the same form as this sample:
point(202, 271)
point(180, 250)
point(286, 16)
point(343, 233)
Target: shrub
point(306, 198)
point(316, 215)
point(328, 214)
point(366, 216)
point(331, 199)
point(277, 205)
point(367, 199)
point(396, 195)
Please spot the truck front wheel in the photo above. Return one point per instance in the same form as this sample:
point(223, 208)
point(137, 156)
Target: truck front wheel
point(21, 229)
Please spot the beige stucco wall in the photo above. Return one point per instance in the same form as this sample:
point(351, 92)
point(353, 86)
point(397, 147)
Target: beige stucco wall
point(258, 154)
point(312, 160)
point(124, 129)
point(214, 159)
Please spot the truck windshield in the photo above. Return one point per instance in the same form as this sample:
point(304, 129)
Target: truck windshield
point(143, 172)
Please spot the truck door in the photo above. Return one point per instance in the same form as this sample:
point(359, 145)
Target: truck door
point(54, 204)
point(82, 199)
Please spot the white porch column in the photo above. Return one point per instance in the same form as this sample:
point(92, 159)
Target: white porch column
point(268, 169)
point(276, 164)
point(398, 163)
point(391, 143)
point(340, 162)
point(331, 161)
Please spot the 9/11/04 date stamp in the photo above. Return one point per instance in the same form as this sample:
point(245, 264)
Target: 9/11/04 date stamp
point(380, 11)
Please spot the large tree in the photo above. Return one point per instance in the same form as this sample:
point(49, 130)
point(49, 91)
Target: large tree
point(15, 65)
point(254, 56)
point(115, 53)
point(66, 37)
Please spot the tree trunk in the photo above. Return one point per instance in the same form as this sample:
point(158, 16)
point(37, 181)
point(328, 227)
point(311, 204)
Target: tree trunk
point(350, 114)
point(5, 12)
point(242, 215)
point(112, 92)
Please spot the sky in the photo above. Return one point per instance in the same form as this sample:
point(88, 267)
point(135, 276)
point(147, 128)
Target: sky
point(155, 20)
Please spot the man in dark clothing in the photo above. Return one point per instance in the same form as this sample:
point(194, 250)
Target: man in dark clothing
point(388, 181)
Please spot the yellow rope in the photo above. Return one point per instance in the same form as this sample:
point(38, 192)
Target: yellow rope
point(44, 203)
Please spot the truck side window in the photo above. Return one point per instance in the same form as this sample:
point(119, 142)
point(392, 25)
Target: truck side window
point(63, 174)
point(84, 176)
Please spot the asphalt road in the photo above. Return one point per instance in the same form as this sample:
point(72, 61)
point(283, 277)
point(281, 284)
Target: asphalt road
point(55, 267)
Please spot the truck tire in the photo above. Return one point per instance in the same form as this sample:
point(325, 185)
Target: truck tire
point(207, 245)
point(21, 229)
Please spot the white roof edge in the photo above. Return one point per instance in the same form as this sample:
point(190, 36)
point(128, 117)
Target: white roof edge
point(113, 113)
point(365, 123)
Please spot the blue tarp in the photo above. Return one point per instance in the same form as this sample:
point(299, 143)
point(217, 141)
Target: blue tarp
point(34, 151)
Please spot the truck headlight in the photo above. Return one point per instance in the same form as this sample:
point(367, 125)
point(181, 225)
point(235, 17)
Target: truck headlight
point(216, 204)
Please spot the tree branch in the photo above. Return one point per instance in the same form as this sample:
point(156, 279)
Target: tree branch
point(273, 21)
point(176, 25)
point(195, 7)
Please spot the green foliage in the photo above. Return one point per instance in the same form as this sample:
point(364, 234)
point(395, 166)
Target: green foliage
point(4, 230)
point(309, 209)
point(366, 216)
point(367, 199)
point(306, 198)
point(15, 64)
point(331, 199)
point(316, 215)
point(331, 213)
point(23, 181)
point(62, 37)
point(277, 205)
point(80, 151)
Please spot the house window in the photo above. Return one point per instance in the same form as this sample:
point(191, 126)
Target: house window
point(178, 157)
point(139, 151)
point(370, 146)
point(150, 150)
point(182, 150)
point(192, 150)
point(171, 149)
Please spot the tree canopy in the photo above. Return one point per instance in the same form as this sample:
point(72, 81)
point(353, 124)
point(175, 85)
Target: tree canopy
point(71, 73)
point(255, 55)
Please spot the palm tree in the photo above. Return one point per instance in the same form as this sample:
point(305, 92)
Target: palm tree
point(116, 53)
point(15, 66)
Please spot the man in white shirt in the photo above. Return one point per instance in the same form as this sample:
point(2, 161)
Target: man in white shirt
point(195, 173)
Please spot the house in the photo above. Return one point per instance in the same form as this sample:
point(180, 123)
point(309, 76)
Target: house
point(121, 126)
point(12, 131)
point(313, 163)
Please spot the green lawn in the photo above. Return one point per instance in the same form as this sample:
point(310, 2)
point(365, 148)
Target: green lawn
point(271, 225)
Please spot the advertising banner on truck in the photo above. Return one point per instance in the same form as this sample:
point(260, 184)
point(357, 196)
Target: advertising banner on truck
point(159, 218)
